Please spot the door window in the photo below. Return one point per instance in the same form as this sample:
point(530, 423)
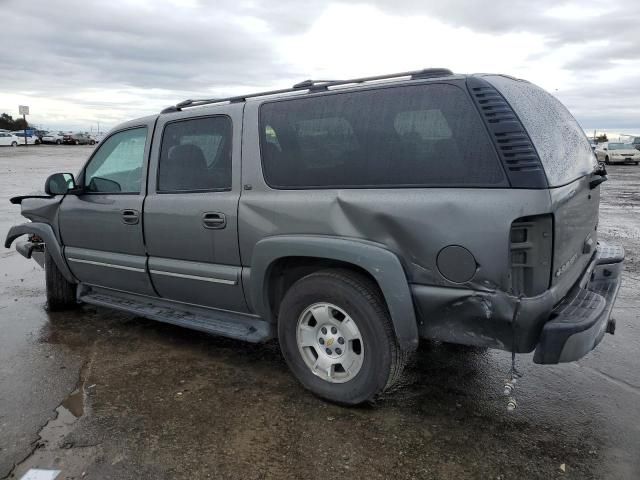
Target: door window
point(116, 166)
point(195, 156)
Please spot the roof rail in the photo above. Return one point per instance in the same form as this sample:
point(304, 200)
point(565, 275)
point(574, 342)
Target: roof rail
point(312, 86)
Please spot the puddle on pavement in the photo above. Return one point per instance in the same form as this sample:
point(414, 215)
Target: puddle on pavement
point(74, 403)
point(68, 413)
point(51, 451)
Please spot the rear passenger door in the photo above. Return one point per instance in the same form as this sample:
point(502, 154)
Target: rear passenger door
point(190, 213)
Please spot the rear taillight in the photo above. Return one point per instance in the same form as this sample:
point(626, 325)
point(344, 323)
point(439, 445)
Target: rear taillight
point(531, 248)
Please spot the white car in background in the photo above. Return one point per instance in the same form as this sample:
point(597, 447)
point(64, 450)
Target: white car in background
point(8, 139)
point(53, 137)
point(32, 138)
point(617, 152)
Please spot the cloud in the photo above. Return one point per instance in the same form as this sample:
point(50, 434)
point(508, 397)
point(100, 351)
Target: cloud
point(76, 62)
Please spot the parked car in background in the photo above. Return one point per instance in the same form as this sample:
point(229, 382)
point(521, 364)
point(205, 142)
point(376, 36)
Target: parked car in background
point(41, 133)
point(98, 137)
point(617, 152)
point(636, 143)
point(78, 139)
point(7, 139)
point(32, 138)
point(53, 137)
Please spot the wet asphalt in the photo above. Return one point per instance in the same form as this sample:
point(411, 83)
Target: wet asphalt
point(100, 394)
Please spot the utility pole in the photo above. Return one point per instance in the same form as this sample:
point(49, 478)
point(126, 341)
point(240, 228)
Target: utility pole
point(24, 111)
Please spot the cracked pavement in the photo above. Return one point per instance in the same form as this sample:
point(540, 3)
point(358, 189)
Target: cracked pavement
point(101, 394)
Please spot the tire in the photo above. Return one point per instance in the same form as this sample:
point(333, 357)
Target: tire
point(58, 142)
point(636, 163)
point(92, 142)
point(339, 296)
point(37, 142)
point(606, 160)
point(77, 142)
point(14, 144)
point(61, 295)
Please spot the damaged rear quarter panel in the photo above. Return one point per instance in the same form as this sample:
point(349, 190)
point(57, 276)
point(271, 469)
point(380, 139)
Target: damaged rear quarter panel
point(413, 223)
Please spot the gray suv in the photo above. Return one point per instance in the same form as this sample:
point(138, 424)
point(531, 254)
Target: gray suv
point(349, 219)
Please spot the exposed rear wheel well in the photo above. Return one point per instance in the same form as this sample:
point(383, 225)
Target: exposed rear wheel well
point(284, 272)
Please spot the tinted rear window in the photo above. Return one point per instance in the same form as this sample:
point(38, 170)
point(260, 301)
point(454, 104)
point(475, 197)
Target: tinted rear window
point(562, 145)
point(422, 135)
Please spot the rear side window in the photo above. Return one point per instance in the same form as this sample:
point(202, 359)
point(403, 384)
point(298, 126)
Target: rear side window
point(422, 135)
point(195, 155)
point(561, 144)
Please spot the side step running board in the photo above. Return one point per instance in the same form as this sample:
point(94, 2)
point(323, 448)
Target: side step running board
point(217, 322)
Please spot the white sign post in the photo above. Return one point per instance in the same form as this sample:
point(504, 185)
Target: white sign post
point(24, 111)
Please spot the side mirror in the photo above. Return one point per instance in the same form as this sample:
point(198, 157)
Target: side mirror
point(60, 184)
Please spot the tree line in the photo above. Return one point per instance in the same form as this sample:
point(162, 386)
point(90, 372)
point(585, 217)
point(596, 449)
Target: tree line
point(7, 122)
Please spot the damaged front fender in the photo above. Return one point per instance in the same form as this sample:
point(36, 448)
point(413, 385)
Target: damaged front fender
point(45, 232)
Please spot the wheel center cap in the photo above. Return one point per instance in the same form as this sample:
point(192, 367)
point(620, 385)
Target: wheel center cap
point(330, 342)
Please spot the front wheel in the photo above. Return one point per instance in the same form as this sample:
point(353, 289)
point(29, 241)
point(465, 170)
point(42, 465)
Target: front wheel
point(77, 142)
point(14, 144)
point(336, 336)
point(92, 142)
point(61, 295)
point(58, 142)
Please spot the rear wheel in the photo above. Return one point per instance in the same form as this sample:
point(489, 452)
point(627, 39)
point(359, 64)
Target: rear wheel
point(58, 142)
point(14, 144)
point(77, 142)
point(61, 294)
point(337, 337)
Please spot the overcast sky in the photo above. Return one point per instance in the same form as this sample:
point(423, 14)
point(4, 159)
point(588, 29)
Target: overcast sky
point(76, 62)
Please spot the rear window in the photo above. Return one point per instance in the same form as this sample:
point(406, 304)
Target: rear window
point(561, 143)
point(422, 135)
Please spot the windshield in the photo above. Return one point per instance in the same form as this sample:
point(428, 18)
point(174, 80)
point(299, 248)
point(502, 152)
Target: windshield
point(619, 146)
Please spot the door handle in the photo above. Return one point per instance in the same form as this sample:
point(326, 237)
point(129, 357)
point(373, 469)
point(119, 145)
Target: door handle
point(214, 220)
point(130, 217)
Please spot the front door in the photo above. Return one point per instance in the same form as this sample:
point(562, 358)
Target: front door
point(101, 228)
point(190, 213)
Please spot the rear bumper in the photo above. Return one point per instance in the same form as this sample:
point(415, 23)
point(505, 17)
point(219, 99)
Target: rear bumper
point(580, 320)
point(560, 326)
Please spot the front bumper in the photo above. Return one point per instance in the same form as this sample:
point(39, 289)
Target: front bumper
point(580, 320)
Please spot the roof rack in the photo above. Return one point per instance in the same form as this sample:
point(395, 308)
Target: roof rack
point(312, 86)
